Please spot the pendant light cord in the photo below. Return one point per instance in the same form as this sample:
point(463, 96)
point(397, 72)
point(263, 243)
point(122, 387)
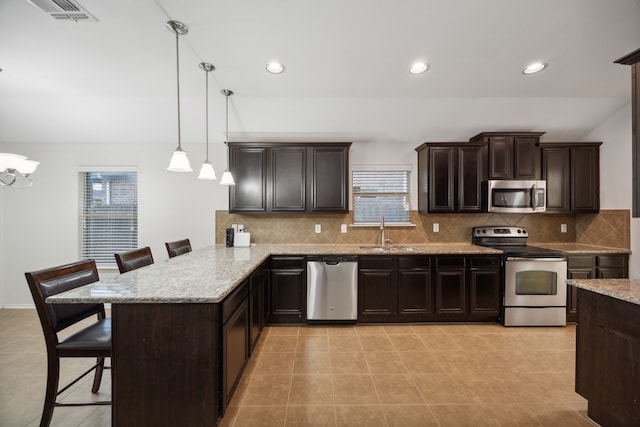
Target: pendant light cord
point(207, 113)
point(178, 86)
point(227, 115)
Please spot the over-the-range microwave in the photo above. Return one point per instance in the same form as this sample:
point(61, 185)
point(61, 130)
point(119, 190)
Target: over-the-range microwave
point(515, 196)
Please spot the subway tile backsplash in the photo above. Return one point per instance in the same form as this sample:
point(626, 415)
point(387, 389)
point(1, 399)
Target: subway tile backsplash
point(609, 228)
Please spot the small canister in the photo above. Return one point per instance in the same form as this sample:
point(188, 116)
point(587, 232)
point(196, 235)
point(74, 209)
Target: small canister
point(229, 238)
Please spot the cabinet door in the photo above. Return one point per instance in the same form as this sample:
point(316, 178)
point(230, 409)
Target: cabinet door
point(329, 179)
point(451, 294)
point(442, 175)
point(555, 170)
point(255, 312)
point(572, 291)
point(585, 179)
point(235, 351)
point(248, 166)
point(484, 293)
point(500, 157)
point(471, 173)
point(415, 293)
point(377, 291)
point(288, 290)
point(288, 178)
point(526, 157)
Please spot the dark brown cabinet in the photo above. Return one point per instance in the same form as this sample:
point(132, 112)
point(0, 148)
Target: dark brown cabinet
point(608, 266)
point(255, 307)
point(415, 293)
point(289, 177)
point(377, 289)
point(572, 172)
point(512, 155)
point(288, 302)
point(485, 277)
point(420, 288)
point(450, 176)
point(235, 341)
point(450, 288)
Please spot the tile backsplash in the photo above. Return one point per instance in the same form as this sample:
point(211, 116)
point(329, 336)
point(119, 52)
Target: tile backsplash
point(609, 228)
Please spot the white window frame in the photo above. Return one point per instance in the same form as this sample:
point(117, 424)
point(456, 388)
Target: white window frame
point(106, 262)
point(382, 169)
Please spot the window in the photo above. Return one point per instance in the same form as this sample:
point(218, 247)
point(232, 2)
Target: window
point(109, 214)
point(381, 192)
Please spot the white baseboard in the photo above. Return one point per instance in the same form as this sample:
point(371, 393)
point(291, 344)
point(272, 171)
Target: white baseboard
point(20, 306)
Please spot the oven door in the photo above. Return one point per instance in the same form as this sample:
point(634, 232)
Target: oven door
point(535, 282)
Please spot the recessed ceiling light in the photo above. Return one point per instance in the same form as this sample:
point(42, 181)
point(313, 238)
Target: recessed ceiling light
point(534, 68)
point(418, 67)
point(275, 67)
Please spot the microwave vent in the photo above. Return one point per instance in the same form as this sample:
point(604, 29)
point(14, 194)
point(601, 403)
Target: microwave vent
point(64, 10)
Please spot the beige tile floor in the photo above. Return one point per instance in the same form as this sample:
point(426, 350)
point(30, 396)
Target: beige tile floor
point(409, 375)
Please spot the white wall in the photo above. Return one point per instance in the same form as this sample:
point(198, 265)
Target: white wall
point(615, 173)
point(2, 239)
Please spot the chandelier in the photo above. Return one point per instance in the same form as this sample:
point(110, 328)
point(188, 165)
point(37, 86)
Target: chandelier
point(15, 170)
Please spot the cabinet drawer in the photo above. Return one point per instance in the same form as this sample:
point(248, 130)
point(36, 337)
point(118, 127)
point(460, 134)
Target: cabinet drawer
point(481, 261)
point(581, 261)
point(287, 262)
point(455, 261)
point(234, 300)
point(611, 261)
point(375, 262)
point(414, 261)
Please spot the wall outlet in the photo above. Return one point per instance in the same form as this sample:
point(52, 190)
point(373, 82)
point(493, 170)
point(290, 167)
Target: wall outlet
point(563, 228)
point(318, 228)
point(343, 228)
point(240, 228)
point(436, 227)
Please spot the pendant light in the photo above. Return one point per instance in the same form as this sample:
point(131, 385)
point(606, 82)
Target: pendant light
point(179, 161)
point(227, 178)
point(206, 171)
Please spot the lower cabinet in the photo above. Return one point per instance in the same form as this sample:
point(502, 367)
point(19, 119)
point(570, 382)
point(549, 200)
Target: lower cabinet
point(288, 296)
point(235, 341)
point(419, 288)
point(606, 266)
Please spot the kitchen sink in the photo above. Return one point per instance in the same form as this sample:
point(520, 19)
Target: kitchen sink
point(405, 249)
point(374, 248)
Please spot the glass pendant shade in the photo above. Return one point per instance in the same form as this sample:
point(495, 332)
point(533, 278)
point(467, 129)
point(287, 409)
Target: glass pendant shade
point(16, 169)
point(207, 171)
point(179, 162)
point(227, 179)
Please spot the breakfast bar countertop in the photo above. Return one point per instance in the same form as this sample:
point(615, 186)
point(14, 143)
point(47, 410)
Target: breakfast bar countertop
point(209, 274)
point(621, 289)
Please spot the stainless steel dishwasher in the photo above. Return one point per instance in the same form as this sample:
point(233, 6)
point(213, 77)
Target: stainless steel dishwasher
point(332, 287)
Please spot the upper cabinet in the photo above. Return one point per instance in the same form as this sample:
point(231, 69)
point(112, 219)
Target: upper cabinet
point(572, 172)
point(512, 155)
point(450, 176)
point(289, 177)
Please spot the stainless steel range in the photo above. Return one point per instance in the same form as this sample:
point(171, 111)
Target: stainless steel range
point(535, 291)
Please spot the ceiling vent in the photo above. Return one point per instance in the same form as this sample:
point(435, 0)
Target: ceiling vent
point(64, 10)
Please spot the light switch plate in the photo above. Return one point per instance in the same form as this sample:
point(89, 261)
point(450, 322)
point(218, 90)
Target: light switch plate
point(436, 227)
point(563, 228)
point(318, 228)
point(343, 228)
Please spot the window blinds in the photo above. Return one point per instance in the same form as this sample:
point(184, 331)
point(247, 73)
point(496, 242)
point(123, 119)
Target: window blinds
point(109, 217)
point(380, 193)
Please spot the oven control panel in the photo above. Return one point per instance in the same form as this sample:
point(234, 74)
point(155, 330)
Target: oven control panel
point(497, 231)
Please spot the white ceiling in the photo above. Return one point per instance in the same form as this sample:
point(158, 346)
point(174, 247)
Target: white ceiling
point(114, 80)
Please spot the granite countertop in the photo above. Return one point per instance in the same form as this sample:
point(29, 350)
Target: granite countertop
point(208, 275)
point(579, 248)
point(622, 289)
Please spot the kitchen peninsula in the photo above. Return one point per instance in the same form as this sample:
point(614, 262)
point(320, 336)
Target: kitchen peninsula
point(608, 349)
point(175, 324)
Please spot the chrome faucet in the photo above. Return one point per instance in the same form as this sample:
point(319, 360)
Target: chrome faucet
point(382, 239)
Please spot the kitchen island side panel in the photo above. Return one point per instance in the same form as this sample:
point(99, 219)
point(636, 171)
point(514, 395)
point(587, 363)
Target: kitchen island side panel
point(165, 364)
point(608, 358)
